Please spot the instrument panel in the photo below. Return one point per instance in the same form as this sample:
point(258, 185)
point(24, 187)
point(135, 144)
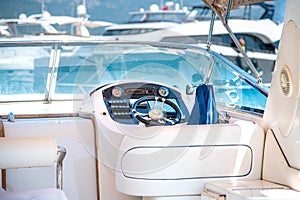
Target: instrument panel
point(120, 98)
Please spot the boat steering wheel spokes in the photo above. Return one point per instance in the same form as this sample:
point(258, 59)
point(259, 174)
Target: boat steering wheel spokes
point(156, 114)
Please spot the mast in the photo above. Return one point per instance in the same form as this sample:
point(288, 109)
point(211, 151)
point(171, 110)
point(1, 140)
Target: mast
point(84, 2)
point(43, 7)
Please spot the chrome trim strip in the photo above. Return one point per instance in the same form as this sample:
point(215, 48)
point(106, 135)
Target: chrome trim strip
point(31, 116)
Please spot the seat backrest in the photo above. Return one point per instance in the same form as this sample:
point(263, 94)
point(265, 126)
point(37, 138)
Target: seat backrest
point(204, 110)
point(27, 152)
point(22, 152)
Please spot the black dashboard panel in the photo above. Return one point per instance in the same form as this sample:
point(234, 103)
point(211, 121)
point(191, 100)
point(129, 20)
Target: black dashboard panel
point(120, 98)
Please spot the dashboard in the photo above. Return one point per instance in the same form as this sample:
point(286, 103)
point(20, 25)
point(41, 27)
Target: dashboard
point(121, 98)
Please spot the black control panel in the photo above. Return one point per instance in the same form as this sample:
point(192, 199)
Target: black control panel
point(119, 99)
point(119, 109)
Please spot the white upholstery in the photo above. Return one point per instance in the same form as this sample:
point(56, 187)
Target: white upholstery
point(24, 152)
point(27, 152)
point(42, 194)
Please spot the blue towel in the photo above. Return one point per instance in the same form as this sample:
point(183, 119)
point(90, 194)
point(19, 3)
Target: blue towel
point(204, 110)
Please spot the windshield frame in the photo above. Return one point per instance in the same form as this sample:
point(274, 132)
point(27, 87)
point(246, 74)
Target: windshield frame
point(56, 45)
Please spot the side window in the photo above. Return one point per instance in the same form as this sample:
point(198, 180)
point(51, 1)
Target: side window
point(23, 70)
point(255, 44)
point(234, 92)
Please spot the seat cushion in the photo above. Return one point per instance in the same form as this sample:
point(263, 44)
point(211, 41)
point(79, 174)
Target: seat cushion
point(42, 194)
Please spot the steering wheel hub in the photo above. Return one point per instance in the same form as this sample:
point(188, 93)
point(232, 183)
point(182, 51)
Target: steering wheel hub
point(156, 115)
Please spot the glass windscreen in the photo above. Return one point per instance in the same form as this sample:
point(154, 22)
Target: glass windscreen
point(22, 72)
point(66, 72)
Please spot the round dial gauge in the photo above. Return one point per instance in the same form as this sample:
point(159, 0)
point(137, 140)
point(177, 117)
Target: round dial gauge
point(164, 92)
point(117, 92)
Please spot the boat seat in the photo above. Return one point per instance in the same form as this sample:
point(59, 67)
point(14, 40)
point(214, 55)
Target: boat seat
point(41, 194)
point(204, 110)
point(24, 152)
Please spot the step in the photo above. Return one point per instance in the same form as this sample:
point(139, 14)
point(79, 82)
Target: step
point(248, 190)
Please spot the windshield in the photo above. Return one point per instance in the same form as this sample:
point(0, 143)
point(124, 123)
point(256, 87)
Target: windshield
point(175, 67)
point(67, 71)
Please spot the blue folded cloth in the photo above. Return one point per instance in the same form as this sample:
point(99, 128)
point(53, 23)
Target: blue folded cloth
point(204, 110)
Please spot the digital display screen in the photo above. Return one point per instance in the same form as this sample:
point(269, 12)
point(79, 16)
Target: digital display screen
point(131, 91)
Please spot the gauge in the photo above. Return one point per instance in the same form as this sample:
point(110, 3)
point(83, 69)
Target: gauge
point(117, 92)
point(164, 92)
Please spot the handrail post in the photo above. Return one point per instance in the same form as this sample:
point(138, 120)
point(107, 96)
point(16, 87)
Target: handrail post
point(59, 164)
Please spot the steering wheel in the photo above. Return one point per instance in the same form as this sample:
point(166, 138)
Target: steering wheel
point(156, 115)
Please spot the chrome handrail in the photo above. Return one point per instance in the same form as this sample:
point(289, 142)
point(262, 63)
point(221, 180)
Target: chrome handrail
point(61, 151)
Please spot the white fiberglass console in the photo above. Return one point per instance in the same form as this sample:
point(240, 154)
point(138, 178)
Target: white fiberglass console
point(164, 161)
point(145, 154)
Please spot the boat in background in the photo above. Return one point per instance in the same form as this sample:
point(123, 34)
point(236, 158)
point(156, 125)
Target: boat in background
point(254, 27)
point(44, 24)
point(259, 32)
point(144, 21)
